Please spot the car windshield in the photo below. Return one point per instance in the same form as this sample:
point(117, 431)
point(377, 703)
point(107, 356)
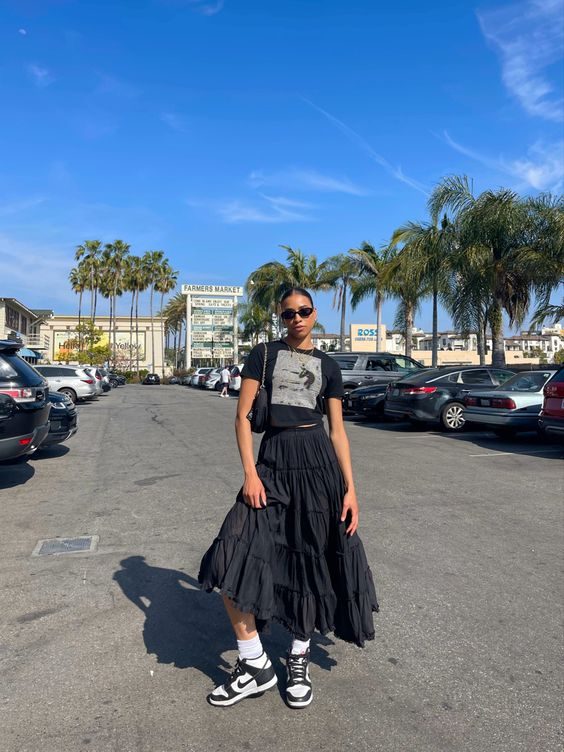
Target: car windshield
point(526, 382)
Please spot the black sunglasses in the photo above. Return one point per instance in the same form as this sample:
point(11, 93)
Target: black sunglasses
point(289, 314)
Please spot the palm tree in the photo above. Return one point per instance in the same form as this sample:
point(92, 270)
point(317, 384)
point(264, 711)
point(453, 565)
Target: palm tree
point(151, 262)
point(88, 254)
point(427, 247)
point(408, 287)
point(255, 321)
point(165, 282)
point(497, 226)
point(265, 286)
point(342, 271)
point(79, 283)
point(175, 318)
point(114, 267)
point(370, 281)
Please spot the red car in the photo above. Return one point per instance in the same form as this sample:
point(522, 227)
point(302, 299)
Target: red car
point(551, 419)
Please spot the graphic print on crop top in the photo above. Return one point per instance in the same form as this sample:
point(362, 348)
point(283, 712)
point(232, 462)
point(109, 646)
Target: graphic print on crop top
point(296, 385)
point(296, 381)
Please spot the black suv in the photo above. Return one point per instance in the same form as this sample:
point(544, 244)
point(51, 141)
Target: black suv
point(24, 404)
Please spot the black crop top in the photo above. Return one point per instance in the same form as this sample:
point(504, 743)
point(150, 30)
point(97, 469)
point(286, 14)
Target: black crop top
point(296, 385)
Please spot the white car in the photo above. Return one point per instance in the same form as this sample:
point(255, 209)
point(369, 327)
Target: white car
point(195, 380)
point(235, 377)
point(73, 381)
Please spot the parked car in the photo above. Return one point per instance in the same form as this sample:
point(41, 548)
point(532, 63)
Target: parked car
point(360, 369)
point(24, 404)
point(152, 378)
point(198, 373)
point(186, 380)
point(63, 419)
point(235, 377)
point(116, 379)
point(366, 400)
point(174, 380)
point(437, 394)
point(98, 378)
point(510, 408)
point(73, 381)
point(212, 380)
point(551, 418)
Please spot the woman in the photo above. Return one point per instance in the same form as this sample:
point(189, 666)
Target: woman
point(288, 549)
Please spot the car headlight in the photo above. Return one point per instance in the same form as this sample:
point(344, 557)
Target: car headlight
point(58, 405)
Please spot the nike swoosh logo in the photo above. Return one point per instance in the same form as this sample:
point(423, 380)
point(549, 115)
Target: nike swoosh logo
point(241, 685)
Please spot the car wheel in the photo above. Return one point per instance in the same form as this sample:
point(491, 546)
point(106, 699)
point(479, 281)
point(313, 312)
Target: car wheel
point(69, 392)
point(452, 417)
point(114, 384)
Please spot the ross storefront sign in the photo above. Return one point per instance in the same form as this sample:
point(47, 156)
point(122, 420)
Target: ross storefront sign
point(364, 337)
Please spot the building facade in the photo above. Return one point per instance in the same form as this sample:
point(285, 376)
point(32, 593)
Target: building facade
point(148, 341)
point(23, 324)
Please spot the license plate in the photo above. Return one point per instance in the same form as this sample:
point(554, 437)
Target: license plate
point(395, 392)
point(486, 402)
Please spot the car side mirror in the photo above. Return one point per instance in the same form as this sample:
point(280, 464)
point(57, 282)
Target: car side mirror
point(7, 406)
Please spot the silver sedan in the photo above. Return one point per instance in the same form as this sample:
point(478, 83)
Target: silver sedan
point(512, 407)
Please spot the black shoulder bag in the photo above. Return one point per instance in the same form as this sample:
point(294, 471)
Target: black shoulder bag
point(258, 414)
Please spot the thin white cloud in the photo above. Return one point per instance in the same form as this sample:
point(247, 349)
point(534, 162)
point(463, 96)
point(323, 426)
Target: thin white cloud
point(21, 205)
point(173, 121)
point(23, 32)
point(41, 76)
point(111, 85)
point(542, 168)
point(209, 9)
point(309, 180)
point(359, 141)
point(275, 210)
point(529, 38)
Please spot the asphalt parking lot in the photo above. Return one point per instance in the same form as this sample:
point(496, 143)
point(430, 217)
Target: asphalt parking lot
point(115, 650)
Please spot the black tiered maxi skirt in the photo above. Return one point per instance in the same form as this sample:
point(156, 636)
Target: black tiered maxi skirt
point(292, 561)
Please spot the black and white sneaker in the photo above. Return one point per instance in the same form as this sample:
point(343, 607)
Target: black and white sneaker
point(299, 693)
point(248, 678)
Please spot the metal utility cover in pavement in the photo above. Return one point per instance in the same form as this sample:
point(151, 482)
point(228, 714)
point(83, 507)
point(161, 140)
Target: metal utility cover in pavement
point(57, 546)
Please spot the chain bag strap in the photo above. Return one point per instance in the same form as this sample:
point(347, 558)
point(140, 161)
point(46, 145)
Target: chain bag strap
point(258, 414)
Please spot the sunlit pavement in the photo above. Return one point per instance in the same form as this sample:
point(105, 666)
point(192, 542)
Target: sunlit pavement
point(117, 649)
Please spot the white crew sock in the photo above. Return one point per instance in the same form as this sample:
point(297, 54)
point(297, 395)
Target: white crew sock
point(299, 646)
point(250, 649)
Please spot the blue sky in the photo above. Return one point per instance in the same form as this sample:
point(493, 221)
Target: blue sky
point(218, 129)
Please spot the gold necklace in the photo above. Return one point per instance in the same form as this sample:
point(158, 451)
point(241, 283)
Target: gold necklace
point(302, 357)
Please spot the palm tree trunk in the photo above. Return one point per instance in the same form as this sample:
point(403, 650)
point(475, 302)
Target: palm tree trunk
point(152, 330)
point(435, 338)
point(379, 345)
point(80, 322)
point(496, 325)
point(343, 315)
point(131, 332)
point(137, 334)
point(92, 306)
point(408, 329)
point(163, 342)
point(110, 328)
point(95, 302)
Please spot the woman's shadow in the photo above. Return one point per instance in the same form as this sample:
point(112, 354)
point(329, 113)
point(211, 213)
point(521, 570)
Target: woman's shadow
point(189, 628)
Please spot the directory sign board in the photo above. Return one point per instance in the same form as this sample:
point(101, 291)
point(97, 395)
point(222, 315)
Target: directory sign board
point(211, 331)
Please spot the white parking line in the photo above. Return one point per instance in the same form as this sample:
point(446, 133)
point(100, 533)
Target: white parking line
point(511, 454)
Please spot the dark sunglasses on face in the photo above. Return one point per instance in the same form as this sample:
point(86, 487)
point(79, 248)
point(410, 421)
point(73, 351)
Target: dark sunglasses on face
point(290, 315)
